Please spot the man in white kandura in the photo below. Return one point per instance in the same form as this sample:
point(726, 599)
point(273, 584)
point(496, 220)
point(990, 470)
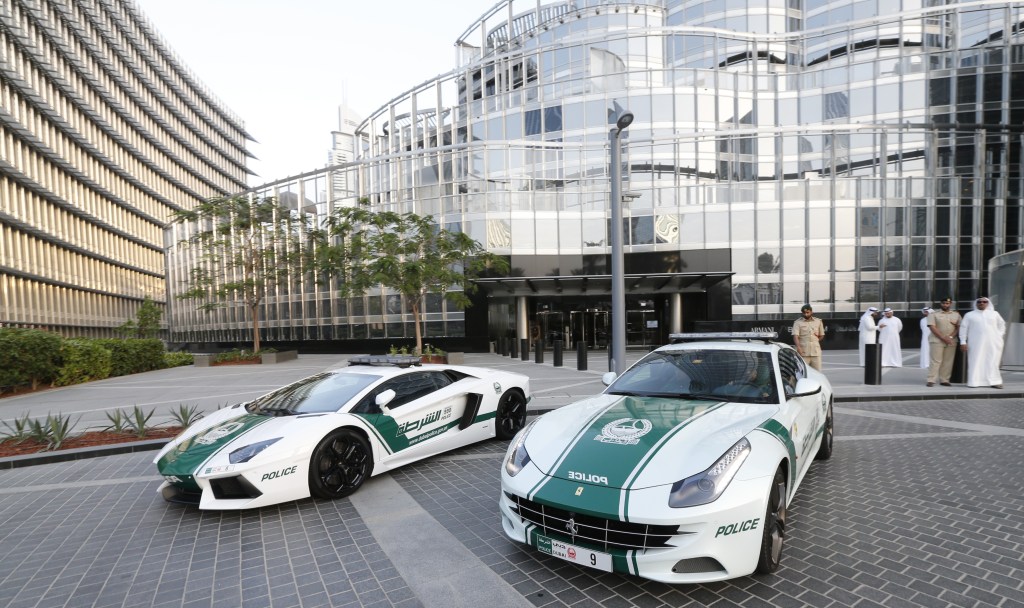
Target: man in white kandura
point(889, 328)
point(868, 331)
point(926, 348)
point(981, 337)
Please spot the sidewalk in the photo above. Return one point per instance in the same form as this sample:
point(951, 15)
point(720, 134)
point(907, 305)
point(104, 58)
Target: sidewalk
point(209, 388)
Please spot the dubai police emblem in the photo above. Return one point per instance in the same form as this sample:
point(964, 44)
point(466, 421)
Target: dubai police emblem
point(217, 433)
point(624, 431)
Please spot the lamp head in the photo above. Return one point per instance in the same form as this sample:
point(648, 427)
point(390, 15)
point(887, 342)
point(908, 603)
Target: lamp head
point(625, 119)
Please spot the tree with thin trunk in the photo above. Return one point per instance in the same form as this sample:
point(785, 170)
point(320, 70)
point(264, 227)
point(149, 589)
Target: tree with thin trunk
point(406, 253)
point(244, 247)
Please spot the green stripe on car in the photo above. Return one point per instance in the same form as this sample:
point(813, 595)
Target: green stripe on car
point(775, 428)
point(615, 446)
point(188, 457)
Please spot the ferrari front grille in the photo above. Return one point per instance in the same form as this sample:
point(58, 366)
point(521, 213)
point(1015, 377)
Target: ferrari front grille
point(595, 531)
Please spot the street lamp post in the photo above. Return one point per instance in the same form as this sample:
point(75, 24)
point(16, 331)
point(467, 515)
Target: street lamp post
point(618, 346)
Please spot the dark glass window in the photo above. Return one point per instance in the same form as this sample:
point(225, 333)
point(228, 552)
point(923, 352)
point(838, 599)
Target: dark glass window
point(532, 122)
point(938, 90)
point(993, 87)
point(553, 119)
point(965, 89)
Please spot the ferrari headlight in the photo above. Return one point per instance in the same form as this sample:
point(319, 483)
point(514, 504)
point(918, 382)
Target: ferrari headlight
point(708, 486)
point(518, 457)
point(247, 453)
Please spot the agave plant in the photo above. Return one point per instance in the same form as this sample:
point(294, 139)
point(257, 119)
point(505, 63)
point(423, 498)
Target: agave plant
point(118, 422)
point(17, 433)
point(138, 420)
point(186, 415)
point(60, 427)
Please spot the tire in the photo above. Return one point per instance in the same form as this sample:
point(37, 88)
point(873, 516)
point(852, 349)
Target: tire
point(339, 465)
point(773, 535)
point(825, 450)
point(511, 415)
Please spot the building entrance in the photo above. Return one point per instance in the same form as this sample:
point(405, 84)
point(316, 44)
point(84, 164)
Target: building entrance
point(642, 327)
point(590, 326)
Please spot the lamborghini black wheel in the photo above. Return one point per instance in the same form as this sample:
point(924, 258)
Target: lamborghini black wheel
point(511, 415)
point(339, 465)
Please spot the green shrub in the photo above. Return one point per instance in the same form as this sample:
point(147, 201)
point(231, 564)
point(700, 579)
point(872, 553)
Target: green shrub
point(28, 357)
point(236, 355)
point(177, 359)
point(134, 355)
point(82, 361)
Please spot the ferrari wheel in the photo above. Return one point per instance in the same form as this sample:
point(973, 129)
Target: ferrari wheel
point(774, 529)
point(825, 450)
point(340, 464)
point(511, 415)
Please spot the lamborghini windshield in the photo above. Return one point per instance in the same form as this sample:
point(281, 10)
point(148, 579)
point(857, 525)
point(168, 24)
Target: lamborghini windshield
point(718, 374)
point(316, 394)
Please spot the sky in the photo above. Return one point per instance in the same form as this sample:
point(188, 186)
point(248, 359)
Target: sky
point(284, 68)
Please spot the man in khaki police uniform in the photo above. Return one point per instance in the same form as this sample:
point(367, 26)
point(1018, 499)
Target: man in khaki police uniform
point(807, 333)
point(944, 325)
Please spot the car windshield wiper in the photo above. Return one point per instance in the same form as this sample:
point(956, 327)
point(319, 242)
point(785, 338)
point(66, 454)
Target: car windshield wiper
point(705, 396)
point(628, 394)
point(276, 412)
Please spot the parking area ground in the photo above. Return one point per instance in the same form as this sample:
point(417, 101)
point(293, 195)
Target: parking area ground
point(921, 505)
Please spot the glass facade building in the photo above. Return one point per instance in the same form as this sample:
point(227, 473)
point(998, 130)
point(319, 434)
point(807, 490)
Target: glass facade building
point(103, 133)
point(838, 152)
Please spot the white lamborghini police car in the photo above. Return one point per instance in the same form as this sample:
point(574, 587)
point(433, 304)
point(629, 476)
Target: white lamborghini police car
point(681, 470)
point(326, 434)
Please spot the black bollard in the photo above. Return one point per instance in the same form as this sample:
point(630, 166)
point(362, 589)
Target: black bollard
point(538, 356)
point(872, 364)
point(524, 349)
point(556, 358)
point(581, 355)
point(513, 348)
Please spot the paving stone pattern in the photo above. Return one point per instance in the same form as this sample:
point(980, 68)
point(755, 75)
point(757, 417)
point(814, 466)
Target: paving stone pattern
point(907, 513)
point(996, 412)
point(120, 544)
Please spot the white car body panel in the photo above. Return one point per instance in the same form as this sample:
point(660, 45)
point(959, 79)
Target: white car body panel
point(614, 458)
point(199, 458)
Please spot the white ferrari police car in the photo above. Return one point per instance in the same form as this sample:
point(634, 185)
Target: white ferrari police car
point(681, 470)
point(326, 434)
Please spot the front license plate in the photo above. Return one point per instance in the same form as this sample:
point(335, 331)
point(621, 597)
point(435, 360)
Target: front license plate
point(574, 554)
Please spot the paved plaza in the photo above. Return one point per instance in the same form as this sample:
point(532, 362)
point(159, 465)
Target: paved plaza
point(922, 504)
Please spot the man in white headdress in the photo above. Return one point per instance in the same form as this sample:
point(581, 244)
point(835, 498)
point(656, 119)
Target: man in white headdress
point(889, 328)
point(926, 349)
point(868, 330)
point(981, 337)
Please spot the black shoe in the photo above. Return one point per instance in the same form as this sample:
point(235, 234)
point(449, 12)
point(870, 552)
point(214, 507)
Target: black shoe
point(945, 384)
point(930, 384)
point(997, 386)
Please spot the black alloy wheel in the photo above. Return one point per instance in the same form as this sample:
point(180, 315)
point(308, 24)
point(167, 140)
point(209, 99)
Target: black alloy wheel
point(774, 529)
point(339, 465)
point(511, 415)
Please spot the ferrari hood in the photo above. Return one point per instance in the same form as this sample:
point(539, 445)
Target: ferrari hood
point(637, 442)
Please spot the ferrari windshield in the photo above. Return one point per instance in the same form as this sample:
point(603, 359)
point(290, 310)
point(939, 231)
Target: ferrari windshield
point(317, 394)
point(725, 375)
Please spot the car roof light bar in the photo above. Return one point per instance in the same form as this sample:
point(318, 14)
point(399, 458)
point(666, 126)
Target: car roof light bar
point(384, 360)
point(765, 336)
